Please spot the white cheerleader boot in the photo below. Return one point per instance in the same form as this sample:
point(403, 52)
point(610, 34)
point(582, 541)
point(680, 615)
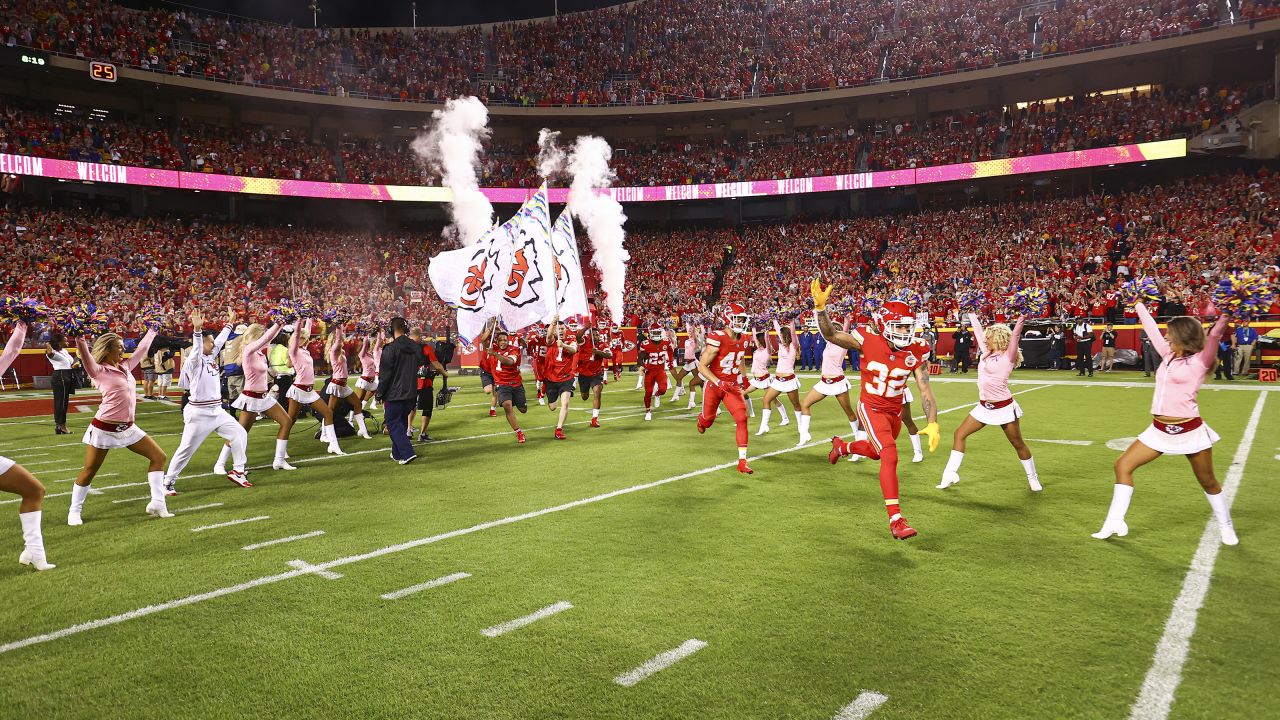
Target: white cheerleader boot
point(949, 478)
point(33, 553)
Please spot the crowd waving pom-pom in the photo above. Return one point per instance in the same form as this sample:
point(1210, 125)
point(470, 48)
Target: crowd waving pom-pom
point(1028, 301)
point(25, 310)
point(81, 320)
point(1139, 290)
point(971, 301)
point(153, 317)
point(1243, 295)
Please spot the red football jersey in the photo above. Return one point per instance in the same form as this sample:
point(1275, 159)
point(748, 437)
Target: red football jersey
point(657, 355)
point(508, 375)
point(727, 364)
point(588, 363)
point(886, 369)
point(560, 365)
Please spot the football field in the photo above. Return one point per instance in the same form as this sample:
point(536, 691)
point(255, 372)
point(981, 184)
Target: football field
point(631, 572)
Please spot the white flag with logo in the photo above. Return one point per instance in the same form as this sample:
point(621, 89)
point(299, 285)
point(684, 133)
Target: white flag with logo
point(471, 280)
point(571, 291)
point(528, 292)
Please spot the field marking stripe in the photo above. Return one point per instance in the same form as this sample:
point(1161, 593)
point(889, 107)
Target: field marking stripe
point(229, 523)
point(95, 477)
point(24, 457)
point(196, 507)
point(132, 499)
point(278, 541)
point(1081, 443)
point(405, 592)
point(1112, 383)
point(533, 617)
point(304, 565)
point(1165, 675)
point(270, 579)
point(660, 662)
point(862, 706)
point(82, 408)
point(44, 462)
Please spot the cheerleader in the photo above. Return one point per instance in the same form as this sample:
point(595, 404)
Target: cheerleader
point(784, 380)
point(832, 384)
point(339, 392)
point(251, 348)
point(203, 413)
point(693, 343)
point(18, 480)
point(302, 392)
point(761, 357)
point(1186, 359)
point(998, 355)
point(367, 384)
point(113, 425)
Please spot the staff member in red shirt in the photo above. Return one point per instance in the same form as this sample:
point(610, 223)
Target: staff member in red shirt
point(592, 352)
point(426, 393)
point(508, 389)
point(559, 369)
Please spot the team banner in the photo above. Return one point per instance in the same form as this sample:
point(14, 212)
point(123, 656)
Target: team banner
point(571, 290)
point(129, 175)
point(529, 293)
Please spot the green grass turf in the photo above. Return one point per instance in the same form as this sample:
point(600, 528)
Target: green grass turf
point(1003, 607)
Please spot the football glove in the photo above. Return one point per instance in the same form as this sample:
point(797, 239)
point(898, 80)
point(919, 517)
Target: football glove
point(932, 431)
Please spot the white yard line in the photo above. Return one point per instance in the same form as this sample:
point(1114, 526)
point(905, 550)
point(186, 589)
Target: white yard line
point(304, 565)
point(73, 444)
point(229, 523)
point(24, 458)
point(49, 418)
point(531, 618)
point(391, 549)
point(1081, 443)
point(193, 508)
point(132, 499)
point(278, 541)
point(660, 662)
point(95, 477)
point(92, 491)
point(42, 462)
point(396, 595)
point(1165, 675)
point(1150, 385)
point(862, 706)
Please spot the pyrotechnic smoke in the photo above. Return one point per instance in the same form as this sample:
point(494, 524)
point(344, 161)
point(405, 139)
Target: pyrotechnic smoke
point(601, 215)
point(452, 147)
point(551, 156)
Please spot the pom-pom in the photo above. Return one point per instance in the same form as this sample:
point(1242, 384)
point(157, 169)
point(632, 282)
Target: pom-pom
point(871, 305)
point(1139, 290)
point(80, 320)
point(284, 313)
point(1242, 295)
point(153, 317)
point(1028, 301)
point(26, 310)
point(368, 327)
point(906, 295)
point(335, 315)
point(306, 309)
point(971, 301)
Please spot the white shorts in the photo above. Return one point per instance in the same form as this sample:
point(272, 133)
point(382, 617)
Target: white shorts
point(759, 384)
point(107, 440)
point(999, 416)
point(341, 390)
point(368, 385)
point(784, 386)
point(1193, 441)
point(165, 378)
point(5, 464)
point(252, 404)
point(690, 366)
point(831, 389)
point(907, 397)
point(302, 397)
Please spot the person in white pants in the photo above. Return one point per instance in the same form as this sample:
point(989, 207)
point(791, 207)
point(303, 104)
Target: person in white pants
point(203, 414)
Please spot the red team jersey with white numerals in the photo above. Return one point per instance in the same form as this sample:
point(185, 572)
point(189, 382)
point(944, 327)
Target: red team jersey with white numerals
point(588, 363)
point(658, 355)
point(886, 370)
point(727, 365)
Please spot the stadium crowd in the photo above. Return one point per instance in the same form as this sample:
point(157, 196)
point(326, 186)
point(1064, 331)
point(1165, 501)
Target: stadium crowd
point(647, 52)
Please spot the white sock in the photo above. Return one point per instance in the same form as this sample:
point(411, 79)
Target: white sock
point(782, 410)
point(223, 455)
point(953, 462)
point(282, 448)
point(1119, 503)
point(859, 436)
point(742, 453)
point(155, 479)
point(360, 424)
point(853, 427)
point(31, 535)
point(1220, 510)
point(1030, 466)
point(803, 425)
point(751, 407)
point(915, 443)
point(595, 412)
point(764, 417)
point(78, 494)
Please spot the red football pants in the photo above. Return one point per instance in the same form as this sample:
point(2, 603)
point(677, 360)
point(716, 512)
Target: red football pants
point(654, 376)
point(712, 395)
point(882, 429)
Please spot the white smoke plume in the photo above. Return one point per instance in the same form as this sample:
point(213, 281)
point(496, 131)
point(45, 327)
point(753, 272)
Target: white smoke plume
point(601, 215)
point(452, 147)
point(551, 157)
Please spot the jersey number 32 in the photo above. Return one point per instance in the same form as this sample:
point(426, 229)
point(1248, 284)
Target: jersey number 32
point(886, 383)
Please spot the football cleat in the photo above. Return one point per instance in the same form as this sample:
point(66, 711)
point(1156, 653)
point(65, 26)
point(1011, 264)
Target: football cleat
point(701, 428)
point(38, 562)
point(542, 400)
point(493, 412)
point(520, 436)
point(949, 479)
point(239, 478)
point(657, 401)
point(560, 434)
point(744, 468)
point(901, 530)
point(838, 448)
point(648, 415)
point(595, 422)
point(1118, 528)
point(170, 488)
point(158, 509)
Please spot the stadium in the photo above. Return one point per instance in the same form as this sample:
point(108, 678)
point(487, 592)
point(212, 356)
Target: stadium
point(473, 362)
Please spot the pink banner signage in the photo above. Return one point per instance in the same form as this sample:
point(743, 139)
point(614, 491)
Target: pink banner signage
point(129, 175)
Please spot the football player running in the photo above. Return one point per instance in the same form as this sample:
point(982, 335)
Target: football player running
point(656, 357)
point(888, 360)
point(721, 365)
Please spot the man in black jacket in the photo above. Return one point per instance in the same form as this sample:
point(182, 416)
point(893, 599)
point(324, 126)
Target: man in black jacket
point(398, 388)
